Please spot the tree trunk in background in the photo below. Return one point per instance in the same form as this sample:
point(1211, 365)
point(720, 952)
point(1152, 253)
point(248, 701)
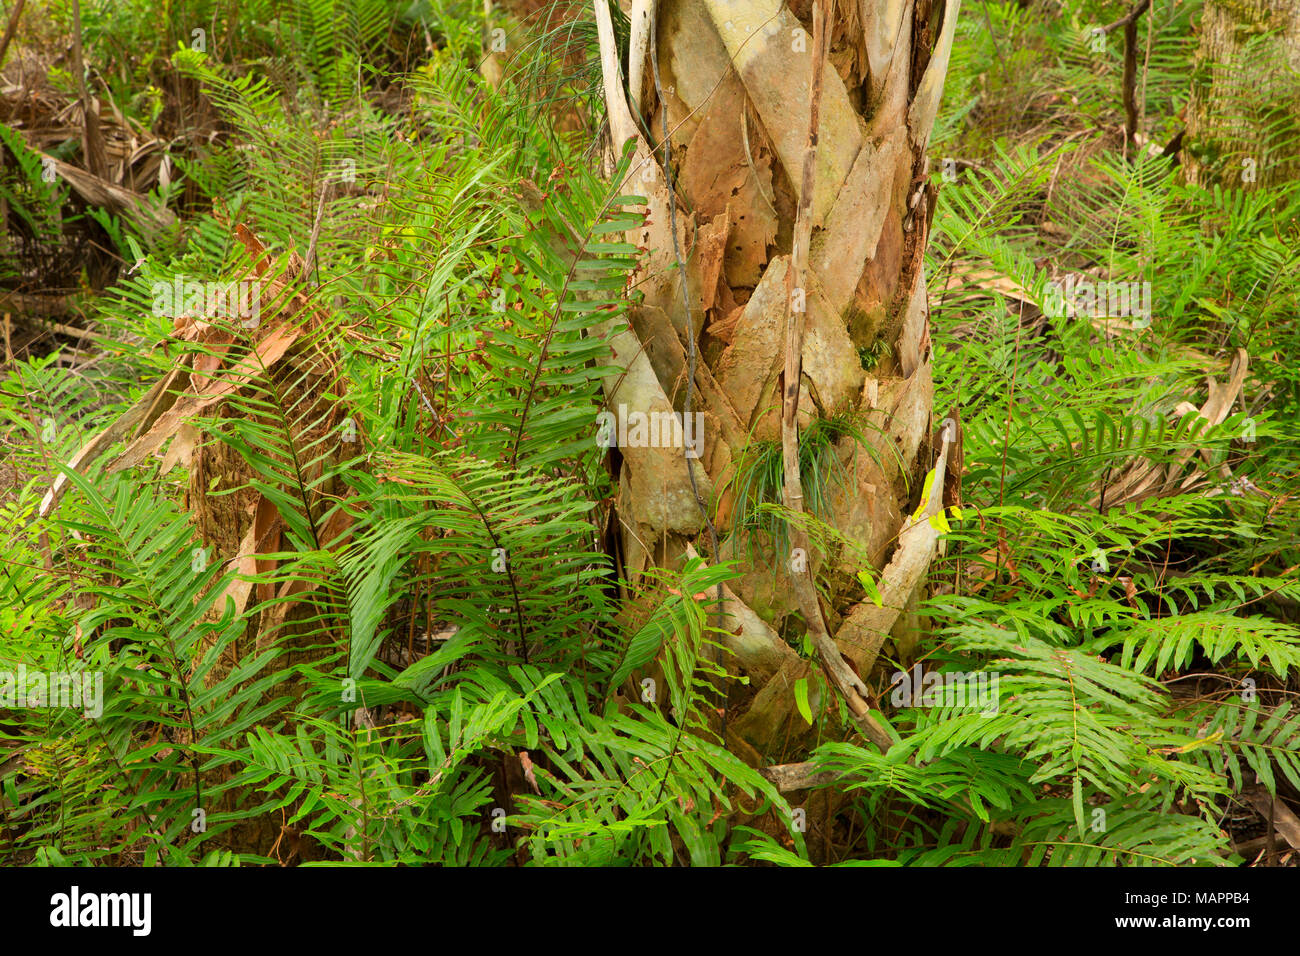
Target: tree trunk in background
point(736, 83)
point(1243, 119)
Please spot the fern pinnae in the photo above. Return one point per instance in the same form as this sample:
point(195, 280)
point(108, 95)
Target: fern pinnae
point(510, 576)
point(153, 605)
point(576, 256)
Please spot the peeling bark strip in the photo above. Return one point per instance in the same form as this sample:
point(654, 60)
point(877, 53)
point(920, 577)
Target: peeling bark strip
point(794, 322)
point(798, 142)
point(849, 684)
point(643, 14)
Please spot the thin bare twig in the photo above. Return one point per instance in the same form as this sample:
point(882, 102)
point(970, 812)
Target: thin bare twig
point(1130, 17)
point(14, 14)
point(92, 142)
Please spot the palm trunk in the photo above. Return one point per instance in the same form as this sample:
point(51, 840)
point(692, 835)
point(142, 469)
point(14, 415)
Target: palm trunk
point(801, 249)
point(1243, 118)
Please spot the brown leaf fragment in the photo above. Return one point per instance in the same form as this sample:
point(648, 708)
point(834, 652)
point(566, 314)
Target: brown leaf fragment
point(724, 329)
point(181, 450)
point(256, 251)
point(1285, 822)
point(269, 351)
point(706, 264)
point(526, 762)
point(727, 180)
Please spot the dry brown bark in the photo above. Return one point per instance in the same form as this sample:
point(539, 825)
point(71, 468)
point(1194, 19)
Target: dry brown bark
point(802, 209)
